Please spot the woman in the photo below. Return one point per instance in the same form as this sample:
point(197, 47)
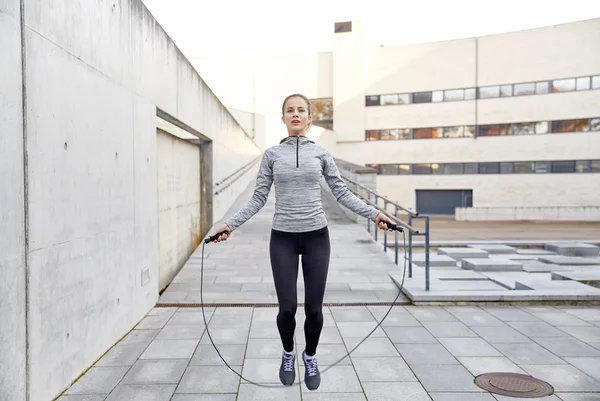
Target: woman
point(296, 166)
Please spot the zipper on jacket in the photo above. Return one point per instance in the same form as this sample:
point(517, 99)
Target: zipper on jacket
point(297, 140)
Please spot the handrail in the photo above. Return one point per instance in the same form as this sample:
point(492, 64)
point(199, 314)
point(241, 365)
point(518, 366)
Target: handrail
point(238, 170)
point(414, 214)
point(391, 216)
point(241, 172)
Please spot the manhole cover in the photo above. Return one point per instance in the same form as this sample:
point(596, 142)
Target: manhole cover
point(514, 385)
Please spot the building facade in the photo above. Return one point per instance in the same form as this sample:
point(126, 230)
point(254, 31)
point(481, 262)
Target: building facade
point(506, 120)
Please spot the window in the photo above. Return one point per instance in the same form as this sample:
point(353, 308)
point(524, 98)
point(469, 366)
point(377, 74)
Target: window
point(437, 96)
point(524, 89)
point(403, 133)
point(582, 166)
point(595, 124)
point(373, 100)
point(582, 125)
point(562, 167)
point(522, 167)
point(470, 168)
point(541, 167)
point(453, 95)
point(437, 133)
point(372, 135)
point(403, 169)
point(488, 92)
point(389, 169)
point(470, 94)
point(389, 99)
point(522, 128)
point(489, 168)
point(422, 97)
point(376, 167)
point(403, 98)
point(563, 85)
point(469, 131)
point(493, 130)
point(453, 168)
point(542, 87)
point(422, 133)
point(596, 82)
point(422, 169)
point(595, 166)
point(583, 83)
point(541, 127)
point(505, 90)
point(341, 27)
point(388, 134)
point(563, 126)
point(454, 132)
point(506, 168)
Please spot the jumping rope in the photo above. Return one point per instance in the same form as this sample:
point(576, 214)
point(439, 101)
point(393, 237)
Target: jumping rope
point(214, 237)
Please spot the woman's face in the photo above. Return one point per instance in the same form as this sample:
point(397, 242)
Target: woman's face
point(295, 115)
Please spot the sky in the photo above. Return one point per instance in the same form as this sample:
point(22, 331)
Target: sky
point(202, 28)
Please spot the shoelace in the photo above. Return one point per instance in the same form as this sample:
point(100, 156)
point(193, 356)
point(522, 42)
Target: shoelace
point(288, 363)
point(311, 366)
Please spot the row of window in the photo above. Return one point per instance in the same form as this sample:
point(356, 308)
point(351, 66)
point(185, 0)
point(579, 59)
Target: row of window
point(469, 131)
point(487, 92)
point(521, 167)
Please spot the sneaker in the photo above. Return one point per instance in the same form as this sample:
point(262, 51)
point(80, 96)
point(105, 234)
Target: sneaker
point(287, 371)
point(312, 377)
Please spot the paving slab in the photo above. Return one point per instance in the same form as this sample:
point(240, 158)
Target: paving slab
point(495, 248)
point(487, 265)
point(569, 260)
point(571, 249)
point(535, 252)
point(460, 253)
point(541, 267)
point(435, 260)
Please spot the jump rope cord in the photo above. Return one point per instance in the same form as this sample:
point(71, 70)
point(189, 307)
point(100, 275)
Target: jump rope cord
point(330, 366)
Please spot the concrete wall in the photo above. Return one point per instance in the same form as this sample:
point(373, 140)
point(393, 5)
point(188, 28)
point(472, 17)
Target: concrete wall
point(91, 199)
point(590, 213)
point(12, 213)
point(178, 204)
point(254, 124)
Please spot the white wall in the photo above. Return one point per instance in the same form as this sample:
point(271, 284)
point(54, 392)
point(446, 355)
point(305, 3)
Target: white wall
point(92, 193)
point(12, 228)
point(178, 204)
point(253, 124)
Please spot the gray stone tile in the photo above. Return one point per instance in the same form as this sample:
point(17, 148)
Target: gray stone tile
point(327, 354)
point(140, 392)
point(469, 347)
point(383, 369)
point(500, 335)
point(567, 347)
point(170, 349)
point(431, 314)
point(510, 314)
point(426, 354)
point(536, 329)
point(588, 314)
point(588, 365)
point(189, 318)
point(462, 397)
point(449, 329)
point(480, 365)
point(98, 380)
point(233, 335)
point(312, 396)
point(561, 319)
point(445, 378)
point(478, 319)
point(359, 329)
point(204, 397)
point(263, 371)
point(208, 379)
point(410, 335)
point(329, 335)
point(180, 332)
point(83, 397)
point(156, 372)
point(529, 354)
point(579, 396)
point(563, 377)
point(372, 347)
point(140, 336)
point(206, 355)
point(153, 322)
point(263, 348)
point(412, 391)
point(504, 398)
point(339, 379)
point(248, 392)
point(588, 334)
point(162, 311)
point(356, 314)
point(263, 330)
point(123, 354)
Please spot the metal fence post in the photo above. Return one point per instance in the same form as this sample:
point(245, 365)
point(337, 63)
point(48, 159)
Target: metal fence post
point(410, 235)
point(426, 252)
point(396, 237)
point(385, 232)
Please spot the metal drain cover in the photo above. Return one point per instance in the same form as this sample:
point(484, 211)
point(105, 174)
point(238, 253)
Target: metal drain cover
point(514, 385)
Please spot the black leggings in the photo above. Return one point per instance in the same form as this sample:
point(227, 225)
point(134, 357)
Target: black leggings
point(315, 249)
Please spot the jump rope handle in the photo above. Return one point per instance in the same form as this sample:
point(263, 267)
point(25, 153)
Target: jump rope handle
point(214, 237)
point(393, 226)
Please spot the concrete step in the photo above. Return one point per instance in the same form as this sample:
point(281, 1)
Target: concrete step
point(568, 260)
point(495, 248)
point(434, 260)
point(491, 265)
point(539, 267)
point(570, 249)
point(460, 253)
point(535, 252)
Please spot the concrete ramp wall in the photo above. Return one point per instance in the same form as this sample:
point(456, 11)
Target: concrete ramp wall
point(80, 88)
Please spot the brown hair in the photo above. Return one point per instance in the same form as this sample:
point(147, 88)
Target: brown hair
point(308, 103)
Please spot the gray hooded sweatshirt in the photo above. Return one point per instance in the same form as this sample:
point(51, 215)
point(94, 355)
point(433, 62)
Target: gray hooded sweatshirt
point(296, 166)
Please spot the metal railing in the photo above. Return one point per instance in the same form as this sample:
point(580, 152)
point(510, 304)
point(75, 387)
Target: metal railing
point(233, 177)
point(373, 198)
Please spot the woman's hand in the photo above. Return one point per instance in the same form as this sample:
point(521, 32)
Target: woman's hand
point(381, 220)
point(222, 237)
